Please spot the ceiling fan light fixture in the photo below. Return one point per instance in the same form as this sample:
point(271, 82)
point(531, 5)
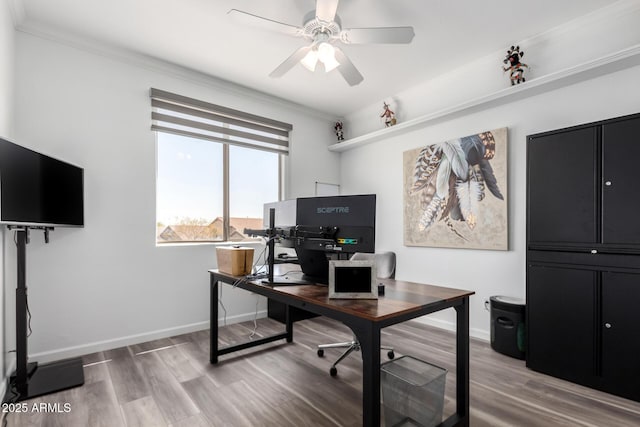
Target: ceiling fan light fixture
point(327, 55)
point(310, 60)
point(330, 64)
point(323, 28)
point(325, 50)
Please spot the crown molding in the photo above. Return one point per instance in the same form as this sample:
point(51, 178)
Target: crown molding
point(606, 13)
point(18, 12)
point(150, 63)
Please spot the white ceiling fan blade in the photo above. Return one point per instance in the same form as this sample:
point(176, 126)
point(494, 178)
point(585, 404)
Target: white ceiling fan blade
point(290, 62)
point(347, 69)
point(264, 23)
point(380, 35)
point(326, 9)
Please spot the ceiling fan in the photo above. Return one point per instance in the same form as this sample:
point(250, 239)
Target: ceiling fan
point(323, 28)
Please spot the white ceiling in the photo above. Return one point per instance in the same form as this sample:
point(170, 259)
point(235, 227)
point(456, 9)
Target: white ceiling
point(199, 35)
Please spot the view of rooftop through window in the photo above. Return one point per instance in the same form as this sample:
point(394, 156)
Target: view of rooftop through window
point(189, 192)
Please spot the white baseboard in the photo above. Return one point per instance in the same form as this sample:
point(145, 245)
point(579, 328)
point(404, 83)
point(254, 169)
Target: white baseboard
point(80, 350)
point(480, 334)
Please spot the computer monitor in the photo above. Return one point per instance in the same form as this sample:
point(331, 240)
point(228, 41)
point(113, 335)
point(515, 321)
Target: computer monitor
point(285, 213)
point(333, 225)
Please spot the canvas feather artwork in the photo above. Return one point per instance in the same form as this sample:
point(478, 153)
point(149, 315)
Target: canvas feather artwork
point(455, 193)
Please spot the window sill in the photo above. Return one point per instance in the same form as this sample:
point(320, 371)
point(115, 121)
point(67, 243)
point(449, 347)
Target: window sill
point(214, 244)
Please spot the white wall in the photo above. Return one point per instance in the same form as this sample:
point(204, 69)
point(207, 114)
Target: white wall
point(7, 54)
point(6, 69)
point(491, 272)
point(107, 284)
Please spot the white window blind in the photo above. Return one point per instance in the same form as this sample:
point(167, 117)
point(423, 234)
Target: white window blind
point(193, 118)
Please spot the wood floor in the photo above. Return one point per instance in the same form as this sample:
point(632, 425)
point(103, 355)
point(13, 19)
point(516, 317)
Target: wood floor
point(170, 382)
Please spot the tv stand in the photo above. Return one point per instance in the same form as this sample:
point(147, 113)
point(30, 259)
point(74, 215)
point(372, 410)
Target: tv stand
point(30, 380)
point(48, 378)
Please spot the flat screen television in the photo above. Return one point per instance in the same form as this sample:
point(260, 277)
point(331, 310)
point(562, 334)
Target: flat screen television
point(38, 190)
point(348, 221)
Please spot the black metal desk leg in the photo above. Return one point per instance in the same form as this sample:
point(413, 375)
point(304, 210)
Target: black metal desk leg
point(213, 321)
point(288, 323)
point(462, 361)
point(369, 338)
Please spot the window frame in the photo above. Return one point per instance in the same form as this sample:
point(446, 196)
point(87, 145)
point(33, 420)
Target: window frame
point(180, 104)
point(226, 196)
point(226, 207)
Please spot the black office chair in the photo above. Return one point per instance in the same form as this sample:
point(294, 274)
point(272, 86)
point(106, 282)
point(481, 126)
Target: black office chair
point(386, 269)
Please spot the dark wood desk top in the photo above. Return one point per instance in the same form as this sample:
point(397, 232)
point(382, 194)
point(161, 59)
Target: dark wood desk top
point(400, 297)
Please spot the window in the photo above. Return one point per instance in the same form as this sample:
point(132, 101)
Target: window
point(215, 168)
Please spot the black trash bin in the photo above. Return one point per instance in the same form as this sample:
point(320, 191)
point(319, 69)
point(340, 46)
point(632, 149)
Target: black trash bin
point(507, 326)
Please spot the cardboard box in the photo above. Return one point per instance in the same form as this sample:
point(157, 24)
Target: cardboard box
point(235, 260)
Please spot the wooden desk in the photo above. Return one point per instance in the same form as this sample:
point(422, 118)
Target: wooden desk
point(402, 301)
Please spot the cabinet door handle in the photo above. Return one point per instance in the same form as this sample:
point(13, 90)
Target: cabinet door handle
point(607, 325)
point(607, 183)
point(594, 251)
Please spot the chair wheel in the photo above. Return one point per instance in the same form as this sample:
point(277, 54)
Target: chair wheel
point(333, 371)
point(320, 352)
point(391, 354)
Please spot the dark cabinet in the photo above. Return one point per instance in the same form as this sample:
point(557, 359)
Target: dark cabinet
point(584, 326)
point(561, 317)
point(620, 333)
point(583, 255)
point(563, 187)
point(582, 186)
point(621, 191)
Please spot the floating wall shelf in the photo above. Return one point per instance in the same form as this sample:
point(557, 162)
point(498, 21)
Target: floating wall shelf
point(614, 62)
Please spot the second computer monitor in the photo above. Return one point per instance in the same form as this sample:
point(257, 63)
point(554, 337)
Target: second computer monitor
point(354, 219)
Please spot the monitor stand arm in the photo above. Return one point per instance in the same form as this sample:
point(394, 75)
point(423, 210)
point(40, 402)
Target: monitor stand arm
point(271, 243)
